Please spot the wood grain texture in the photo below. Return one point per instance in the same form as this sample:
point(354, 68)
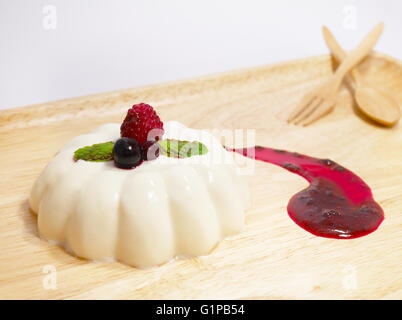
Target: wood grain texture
point(272, 257)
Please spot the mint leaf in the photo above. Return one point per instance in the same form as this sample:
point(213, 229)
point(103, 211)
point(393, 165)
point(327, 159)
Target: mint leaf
point(96, 153)
point(181, 149)
point(169, 147)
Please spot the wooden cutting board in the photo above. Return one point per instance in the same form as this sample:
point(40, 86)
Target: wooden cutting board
point(272, 257)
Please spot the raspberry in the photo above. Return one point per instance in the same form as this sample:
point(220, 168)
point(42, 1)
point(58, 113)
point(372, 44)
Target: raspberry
point(139, 121)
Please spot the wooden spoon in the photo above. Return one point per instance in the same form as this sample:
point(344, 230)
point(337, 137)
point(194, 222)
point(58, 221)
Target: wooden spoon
point(321, 100)
point(373, 103)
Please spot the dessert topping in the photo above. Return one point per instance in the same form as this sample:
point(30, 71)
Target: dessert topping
point(127, 153)
point(140, 120)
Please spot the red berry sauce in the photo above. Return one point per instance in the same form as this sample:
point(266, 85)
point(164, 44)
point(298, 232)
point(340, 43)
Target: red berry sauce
point(337, 204)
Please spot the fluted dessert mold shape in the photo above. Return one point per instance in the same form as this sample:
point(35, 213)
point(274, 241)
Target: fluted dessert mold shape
point(144, 216)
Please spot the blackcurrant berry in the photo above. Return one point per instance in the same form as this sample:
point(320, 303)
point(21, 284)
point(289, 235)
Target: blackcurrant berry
point(150, 150)
point(127, 153)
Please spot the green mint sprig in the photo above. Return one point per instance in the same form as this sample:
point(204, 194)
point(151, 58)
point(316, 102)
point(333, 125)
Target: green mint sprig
point(169, 147)
point(96, 153)
point(181, 149)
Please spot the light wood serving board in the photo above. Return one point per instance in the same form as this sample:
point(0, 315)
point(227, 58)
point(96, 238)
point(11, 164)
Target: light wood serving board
point(273, 257)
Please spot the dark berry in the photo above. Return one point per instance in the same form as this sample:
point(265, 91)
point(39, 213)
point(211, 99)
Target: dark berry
point(150, 150)
point(127, 153)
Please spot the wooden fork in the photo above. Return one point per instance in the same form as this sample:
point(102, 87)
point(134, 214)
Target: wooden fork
point(321, 100)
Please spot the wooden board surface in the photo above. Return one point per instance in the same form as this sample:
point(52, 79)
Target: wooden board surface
point(273, 257)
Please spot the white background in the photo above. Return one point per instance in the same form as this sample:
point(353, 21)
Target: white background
point(56, 49)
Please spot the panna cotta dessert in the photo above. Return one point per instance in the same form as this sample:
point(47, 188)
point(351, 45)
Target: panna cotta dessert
point(141, 193)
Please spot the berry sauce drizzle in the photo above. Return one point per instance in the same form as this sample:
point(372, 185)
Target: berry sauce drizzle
point(337, 204)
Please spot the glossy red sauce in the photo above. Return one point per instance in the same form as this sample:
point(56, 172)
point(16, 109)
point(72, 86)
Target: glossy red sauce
point(337, 203)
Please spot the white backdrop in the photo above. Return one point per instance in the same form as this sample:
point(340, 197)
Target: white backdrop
point(55, 49)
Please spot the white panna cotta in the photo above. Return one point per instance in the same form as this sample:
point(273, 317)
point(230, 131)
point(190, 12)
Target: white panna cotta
point(144, 216)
